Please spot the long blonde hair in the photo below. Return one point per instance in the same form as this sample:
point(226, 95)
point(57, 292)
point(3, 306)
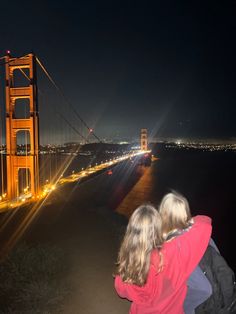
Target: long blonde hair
point(143, 234)
point(175, 213)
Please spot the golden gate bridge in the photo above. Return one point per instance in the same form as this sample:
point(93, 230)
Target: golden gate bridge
point(21, 115)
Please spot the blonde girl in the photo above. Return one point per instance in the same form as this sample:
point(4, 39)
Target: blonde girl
point(143, 235)
point(176, 219)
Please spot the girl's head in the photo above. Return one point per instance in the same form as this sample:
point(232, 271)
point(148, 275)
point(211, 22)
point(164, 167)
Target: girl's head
point(175, 212)
point(143, 234)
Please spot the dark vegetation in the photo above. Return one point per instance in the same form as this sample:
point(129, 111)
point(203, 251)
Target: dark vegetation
point(32, 280)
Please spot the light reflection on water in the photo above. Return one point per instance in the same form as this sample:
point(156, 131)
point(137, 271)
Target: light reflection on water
point(141, 192)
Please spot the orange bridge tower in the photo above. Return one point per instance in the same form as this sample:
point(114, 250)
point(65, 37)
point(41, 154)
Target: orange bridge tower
point(21, 95)
point(144, 140)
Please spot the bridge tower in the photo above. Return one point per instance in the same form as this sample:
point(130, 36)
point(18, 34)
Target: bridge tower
point(144, 140)
point(29, 124)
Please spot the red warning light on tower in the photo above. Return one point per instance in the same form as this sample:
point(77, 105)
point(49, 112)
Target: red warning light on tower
point(8, 52)
point(90, 130)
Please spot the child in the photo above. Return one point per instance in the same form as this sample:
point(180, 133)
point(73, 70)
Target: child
point(211, 291)
point(176, 219)
point(153, 275)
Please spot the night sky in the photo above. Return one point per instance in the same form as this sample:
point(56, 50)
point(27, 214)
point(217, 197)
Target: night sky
point(169, 66)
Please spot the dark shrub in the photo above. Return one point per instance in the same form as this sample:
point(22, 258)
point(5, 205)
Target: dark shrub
point(32, 280)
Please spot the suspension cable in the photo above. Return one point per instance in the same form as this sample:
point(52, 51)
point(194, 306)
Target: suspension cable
point(72, 127)
point(65, 98)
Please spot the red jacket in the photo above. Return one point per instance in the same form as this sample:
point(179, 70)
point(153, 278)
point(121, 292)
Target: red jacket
point(164, 292)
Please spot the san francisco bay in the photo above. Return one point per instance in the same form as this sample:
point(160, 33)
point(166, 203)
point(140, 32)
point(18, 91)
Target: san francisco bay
point(87, 219)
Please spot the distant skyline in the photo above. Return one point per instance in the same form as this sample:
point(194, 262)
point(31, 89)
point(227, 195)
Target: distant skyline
point(168, 66)
point(230, 141)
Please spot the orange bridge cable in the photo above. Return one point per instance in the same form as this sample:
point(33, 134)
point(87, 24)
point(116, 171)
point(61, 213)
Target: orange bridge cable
point(72, 127)
point(65, 98)
point(26, 76)
point(59, 89)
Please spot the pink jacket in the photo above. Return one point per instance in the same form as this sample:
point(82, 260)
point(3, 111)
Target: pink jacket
point(164, 292)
